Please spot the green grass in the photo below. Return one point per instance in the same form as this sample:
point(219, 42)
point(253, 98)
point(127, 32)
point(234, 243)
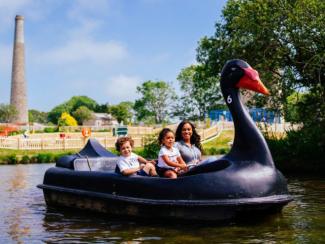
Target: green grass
point(219, 145)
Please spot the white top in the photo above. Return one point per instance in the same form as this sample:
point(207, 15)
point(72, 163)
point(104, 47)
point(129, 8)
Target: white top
point(128, 162)
point(172, 154)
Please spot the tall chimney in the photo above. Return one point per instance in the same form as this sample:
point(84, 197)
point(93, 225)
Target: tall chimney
point(18, 97)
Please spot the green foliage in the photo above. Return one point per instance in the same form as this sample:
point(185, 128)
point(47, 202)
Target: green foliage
point(82, 114)
point(11, 159)
point(14, 157)
point(281, 38)
point(37, 116)
point(156, 101)
point(8, 113)
point(216, 151)
point(25, 159)
point(51, 129)
point(301, 151)
point(67, 120)
point(201, 93)
point(284, 40)
point(70, 106)
point(122, 112)
point(151, 147)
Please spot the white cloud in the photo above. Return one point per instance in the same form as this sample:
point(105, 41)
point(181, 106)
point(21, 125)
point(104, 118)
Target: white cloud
point(82, 8)
point(84, 50)
point(122, 88)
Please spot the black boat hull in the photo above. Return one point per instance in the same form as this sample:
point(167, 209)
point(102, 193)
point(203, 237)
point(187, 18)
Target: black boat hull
point(199, 210)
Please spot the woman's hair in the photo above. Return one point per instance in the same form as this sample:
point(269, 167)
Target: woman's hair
point(121, 140)
point(195, 138)
point(162, 134)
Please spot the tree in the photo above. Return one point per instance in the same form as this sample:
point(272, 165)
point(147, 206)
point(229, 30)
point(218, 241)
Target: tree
point(8, 113)
point(156, 101)
point(201, 94)
point(123, 111)
point(284, 39)
point(82, 114)
point(70, 106)
point(67, 120)
point(37, 116)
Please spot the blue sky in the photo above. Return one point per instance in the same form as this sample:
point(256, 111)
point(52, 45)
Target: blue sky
point(101, 48)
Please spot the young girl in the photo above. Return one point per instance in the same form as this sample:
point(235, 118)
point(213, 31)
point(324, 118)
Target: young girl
point(170, 162)
point(131, 164)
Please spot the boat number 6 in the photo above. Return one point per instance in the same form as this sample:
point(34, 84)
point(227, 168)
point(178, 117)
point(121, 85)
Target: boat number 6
point(229, 99)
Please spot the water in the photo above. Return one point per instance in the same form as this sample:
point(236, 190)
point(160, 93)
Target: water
point(24, 218)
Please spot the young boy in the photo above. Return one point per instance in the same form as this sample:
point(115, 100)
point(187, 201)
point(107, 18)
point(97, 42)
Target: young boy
point(131, 164)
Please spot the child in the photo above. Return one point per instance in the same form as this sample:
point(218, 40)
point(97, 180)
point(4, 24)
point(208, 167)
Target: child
point(131, 164)
point(170, 162)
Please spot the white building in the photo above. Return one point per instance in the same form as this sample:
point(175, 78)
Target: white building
point(101, 119)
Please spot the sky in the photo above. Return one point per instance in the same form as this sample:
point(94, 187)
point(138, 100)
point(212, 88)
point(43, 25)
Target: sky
point(103, 49)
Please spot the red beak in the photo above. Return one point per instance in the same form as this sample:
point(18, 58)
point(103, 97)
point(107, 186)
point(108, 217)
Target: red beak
point(251, 81)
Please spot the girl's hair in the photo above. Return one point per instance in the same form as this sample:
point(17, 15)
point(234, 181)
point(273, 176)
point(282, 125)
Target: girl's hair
point(121, 140)
point(162, 134)
point(195, 138)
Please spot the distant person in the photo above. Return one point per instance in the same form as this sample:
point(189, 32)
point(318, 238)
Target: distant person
point(131, 164)
point(26, 134)
point(170, 162)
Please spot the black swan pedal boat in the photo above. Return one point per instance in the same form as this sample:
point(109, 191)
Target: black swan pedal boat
point(244, 181)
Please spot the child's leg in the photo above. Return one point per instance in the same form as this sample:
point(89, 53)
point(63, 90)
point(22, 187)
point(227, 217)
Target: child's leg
point(150, 169)
point(170, 174)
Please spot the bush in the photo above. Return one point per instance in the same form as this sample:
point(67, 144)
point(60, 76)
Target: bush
point(301, 150)
point(11, 159)
point(151, 147)
point(45, 158)
point(25, 160)
point(51, 129)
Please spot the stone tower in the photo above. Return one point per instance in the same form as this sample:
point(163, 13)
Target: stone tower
point(18, 97)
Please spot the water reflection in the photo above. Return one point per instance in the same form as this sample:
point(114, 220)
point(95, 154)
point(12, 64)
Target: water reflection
point(24, 218)
point(16, 185)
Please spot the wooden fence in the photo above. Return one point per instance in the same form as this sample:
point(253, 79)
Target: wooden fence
point(53, 141)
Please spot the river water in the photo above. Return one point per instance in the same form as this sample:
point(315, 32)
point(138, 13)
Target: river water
point(24, 218)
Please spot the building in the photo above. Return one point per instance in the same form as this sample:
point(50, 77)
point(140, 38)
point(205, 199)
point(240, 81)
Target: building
point(101, 119)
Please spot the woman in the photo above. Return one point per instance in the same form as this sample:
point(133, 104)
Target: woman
point(188, 142)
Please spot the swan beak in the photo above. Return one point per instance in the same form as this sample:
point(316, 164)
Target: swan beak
point(252, 81)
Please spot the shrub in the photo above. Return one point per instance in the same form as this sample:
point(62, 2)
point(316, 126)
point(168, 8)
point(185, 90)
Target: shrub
point(25, 159)
point(151, 147)
point(51, 129)
point(11, 159)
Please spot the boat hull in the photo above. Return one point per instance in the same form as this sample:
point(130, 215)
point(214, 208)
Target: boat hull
point(202, 210)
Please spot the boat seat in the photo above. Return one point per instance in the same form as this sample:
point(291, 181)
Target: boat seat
point(95, 164)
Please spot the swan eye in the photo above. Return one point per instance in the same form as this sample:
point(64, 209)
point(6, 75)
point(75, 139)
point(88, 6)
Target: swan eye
point(233, 69)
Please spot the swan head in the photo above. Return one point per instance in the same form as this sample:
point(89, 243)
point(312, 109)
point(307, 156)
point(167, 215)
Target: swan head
point(238, 74)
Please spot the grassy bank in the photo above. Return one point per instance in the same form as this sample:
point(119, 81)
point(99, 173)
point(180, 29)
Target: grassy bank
point(219, 145)
point(8, 156)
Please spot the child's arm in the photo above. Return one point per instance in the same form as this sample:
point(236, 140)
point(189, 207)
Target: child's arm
point(181, 163)
point(144, 161)
point(169, 162)
point(131, 171)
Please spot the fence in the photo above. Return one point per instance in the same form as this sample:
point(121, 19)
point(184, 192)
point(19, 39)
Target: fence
point(53, 141)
